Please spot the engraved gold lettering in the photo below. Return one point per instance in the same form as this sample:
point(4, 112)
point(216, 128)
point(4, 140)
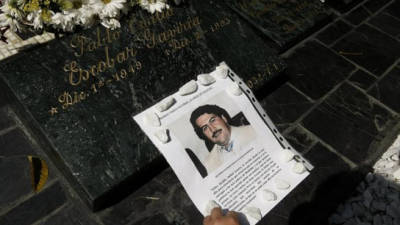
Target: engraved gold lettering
point(121, 57)
point(108, 36)
point(116, 34)
point(82, 95)
point(150, 38)
point(72, 69)
point(179, 44)
point(65, 99)
point(101, 66)
point(93, 70)
point(73, 41)
point(92, 46)
point(196, 21)
point(100, 41)
point(110, 62)
point(162, 37)
point(84, 74)
point(130, 51)
point(81, 42)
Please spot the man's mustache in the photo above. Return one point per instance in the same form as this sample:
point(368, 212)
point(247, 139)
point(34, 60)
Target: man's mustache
point(215, 133)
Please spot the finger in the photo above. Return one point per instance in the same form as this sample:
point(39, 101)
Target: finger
point(216, 213)
point(233, 215)
point(207, 220)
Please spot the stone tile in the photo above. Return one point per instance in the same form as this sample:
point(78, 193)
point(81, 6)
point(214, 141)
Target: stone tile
point(357, 16)
point(349, 121)
point(315, 70)
point(15, 143)
point(36, 207)
point(300, 139)
point(5, 120)
point(321, 158)
point(375, 5)
point(342, 5)
point(386, 23)
point(163, 196)
point(285, 22)
point(394, 9)
point(285, 105)
point(362, 79)
point(70, 215)
point(369, 48)
point(387, 89)
point(334, 32)
point(15, 177)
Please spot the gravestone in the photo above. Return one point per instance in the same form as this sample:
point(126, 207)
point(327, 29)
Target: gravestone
point(78, 93)
point(286, 22)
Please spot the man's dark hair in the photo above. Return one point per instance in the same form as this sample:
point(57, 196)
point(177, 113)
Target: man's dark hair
point(210, 109)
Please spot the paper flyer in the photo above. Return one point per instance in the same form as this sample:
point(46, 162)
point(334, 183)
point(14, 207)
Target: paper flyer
point(223, 147)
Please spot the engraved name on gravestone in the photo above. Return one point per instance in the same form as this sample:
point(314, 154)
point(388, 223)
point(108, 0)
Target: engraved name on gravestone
point(284, 21)
point(81, 91)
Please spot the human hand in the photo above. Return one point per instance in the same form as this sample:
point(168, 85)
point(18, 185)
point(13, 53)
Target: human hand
point(216, 218)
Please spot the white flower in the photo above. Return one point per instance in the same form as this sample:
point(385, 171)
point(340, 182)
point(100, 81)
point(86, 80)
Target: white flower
point(65, 20)
point(87, 16)
point(152, 6)
point(108, 11)
point(96, 5)
point(112, 8)
point(57, 20)
point(7, 9)
point(35, 19)
point(6, 20)
point(110, 23)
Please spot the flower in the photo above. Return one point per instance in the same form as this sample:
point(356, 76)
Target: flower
point(7, 20)
point(66, 14)
point(87, 16)
point(112, 8)
point(11, 8)
point(35, 18)
point(65, 20)
point(111, 23)
point(153, 5)
point(31, 6)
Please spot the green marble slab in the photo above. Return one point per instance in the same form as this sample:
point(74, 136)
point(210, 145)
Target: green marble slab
point(78, 93)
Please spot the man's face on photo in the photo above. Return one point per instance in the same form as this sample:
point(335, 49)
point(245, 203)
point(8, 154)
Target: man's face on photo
point(215, 128)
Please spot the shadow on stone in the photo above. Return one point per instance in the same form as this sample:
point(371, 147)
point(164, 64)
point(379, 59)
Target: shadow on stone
point(133, 182)
point(326, 198)
point(376, 201)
